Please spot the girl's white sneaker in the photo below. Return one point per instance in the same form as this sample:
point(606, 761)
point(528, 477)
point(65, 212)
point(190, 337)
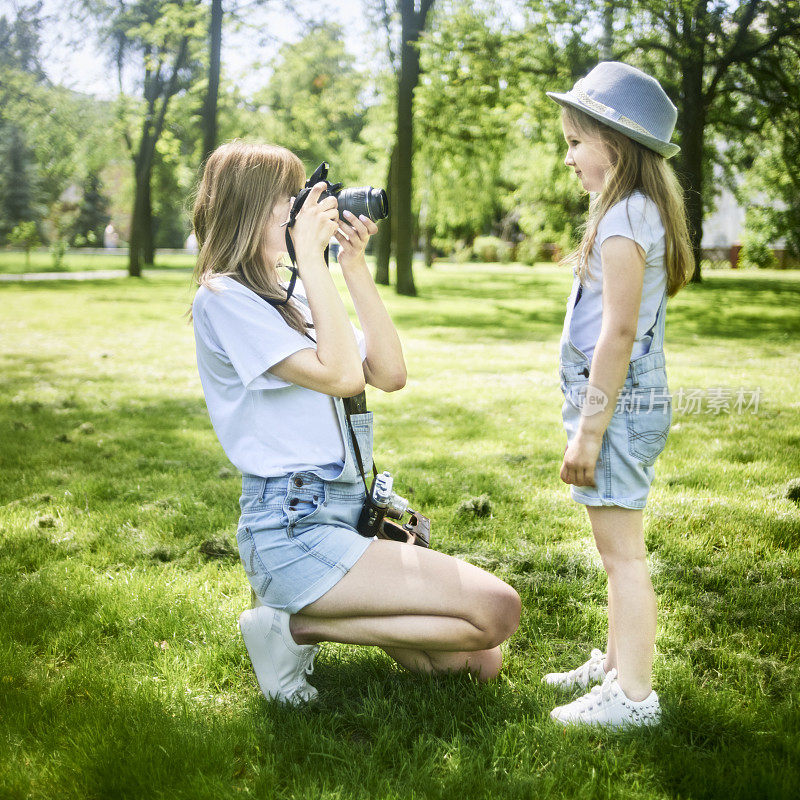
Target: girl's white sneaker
point(590, 672)
point(608, 705)
point(280, 664)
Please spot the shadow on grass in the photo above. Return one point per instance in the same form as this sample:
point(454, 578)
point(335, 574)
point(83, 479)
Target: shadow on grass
point(508, 306)
point(736, 308)
point(376, 733)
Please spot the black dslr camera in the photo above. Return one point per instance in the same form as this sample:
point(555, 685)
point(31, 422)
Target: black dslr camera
point(372, 203)
point(381, 503)
point(366, 200)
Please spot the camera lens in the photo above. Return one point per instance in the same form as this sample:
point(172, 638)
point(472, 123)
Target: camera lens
point(372, 203)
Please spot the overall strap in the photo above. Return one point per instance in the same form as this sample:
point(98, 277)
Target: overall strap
point(359, 403)
point(658, 326)
point(355, 405)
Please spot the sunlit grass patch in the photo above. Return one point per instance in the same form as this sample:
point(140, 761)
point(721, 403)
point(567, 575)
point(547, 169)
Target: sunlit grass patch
point(122, 673)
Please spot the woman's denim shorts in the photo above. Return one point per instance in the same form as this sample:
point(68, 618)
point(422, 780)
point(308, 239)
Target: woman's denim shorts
point(297, 536)
point(635, 437)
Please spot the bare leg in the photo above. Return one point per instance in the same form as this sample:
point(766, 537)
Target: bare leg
point(431, 612)
point(484, 664)
point(619, 535)
point(611, 645)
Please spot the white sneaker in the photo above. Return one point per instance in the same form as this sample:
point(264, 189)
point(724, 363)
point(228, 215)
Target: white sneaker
point(608, 705)
point(280, 664)
point(590, 672)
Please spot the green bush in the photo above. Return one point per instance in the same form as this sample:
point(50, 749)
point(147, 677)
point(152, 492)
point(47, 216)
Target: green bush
point(756, 251)
point(533, 251)
point(462, 253)
point(26, 236)
point(490, 249)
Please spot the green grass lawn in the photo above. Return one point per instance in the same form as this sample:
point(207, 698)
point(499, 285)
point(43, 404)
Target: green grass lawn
point(12, 261)
point(122, 673)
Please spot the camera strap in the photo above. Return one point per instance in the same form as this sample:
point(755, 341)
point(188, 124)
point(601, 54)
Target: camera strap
point(320, 174)
point(239, 276)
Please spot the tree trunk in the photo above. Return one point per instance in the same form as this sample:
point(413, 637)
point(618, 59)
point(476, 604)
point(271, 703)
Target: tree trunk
point(136, 241)
point(148, 233)
point(692, 124)
point(412, 24)
point(212, 95)
point(383, 252)
point(607, 42)
point(429, 254)
point(387, 231)
point(152, 126)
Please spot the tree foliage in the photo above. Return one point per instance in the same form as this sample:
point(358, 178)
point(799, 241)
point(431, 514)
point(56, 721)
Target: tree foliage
point(19, 181)
point(51, 137)
point(164, 40)
point(707, 55)
point(315, 103)
point(485, 151)
point(463, 125)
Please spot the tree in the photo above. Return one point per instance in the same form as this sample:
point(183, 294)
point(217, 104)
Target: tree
point(703, 53)
point(92, 216)
point(461, 150)
point(26, 236)
point(20, 41)
point(491, 152)
point(314, 105)
point(164, 38)
point(19, 182)
point(212, 91)
point(413, 16)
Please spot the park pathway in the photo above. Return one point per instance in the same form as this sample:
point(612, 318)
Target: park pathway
point(89, 275)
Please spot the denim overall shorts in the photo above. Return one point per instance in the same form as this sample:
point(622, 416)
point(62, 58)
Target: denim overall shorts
point(637, 433)
point(296, 534)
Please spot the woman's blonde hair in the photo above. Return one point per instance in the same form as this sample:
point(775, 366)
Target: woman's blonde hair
point(240, 186)
point(635, 167)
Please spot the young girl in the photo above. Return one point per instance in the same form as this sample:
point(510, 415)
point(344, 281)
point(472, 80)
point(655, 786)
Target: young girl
point(635, 252)
point(273, 369)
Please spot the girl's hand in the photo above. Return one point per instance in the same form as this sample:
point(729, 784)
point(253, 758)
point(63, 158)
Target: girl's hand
point(580, 458)
point(353, 238)
point(315, 223)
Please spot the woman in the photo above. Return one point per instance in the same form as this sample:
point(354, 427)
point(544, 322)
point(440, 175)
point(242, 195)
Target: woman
point(273, 369)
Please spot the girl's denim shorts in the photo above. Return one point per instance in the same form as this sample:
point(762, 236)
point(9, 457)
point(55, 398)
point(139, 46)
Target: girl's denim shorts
point(635, 437)
point(297, 536)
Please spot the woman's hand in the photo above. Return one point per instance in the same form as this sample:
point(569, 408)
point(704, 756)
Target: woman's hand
point(353, 236)
point(580, 458)
point(315, 223)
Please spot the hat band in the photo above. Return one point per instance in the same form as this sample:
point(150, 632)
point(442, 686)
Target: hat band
point(602, 108)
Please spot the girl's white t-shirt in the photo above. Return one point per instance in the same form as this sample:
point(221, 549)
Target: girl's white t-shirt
point(266, 426)
point(637, 218)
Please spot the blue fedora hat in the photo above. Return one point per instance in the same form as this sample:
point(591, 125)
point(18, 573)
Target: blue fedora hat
point(628, 100)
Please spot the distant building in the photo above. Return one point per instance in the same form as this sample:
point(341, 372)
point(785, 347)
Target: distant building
point(724, 227)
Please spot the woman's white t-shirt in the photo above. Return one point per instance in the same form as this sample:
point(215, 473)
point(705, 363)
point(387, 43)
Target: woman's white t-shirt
point(637, 218)
point(266, 426)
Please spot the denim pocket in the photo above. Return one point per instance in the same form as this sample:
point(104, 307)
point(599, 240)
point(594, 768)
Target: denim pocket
point(648, 425)
point(257, 573)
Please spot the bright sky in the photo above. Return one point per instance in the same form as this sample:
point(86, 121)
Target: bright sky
point(73, 57)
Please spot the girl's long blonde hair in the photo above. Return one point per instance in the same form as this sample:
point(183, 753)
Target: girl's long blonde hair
point(240, 186)
point(635, 167)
